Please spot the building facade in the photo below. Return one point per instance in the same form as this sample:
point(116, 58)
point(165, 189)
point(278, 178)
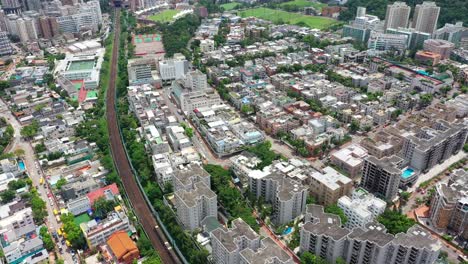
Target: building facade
point(425, 17)
point(382, 176)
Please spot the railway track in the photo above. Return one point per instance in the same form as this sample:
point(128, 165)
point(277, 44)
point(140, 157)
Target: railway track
point(141, 208)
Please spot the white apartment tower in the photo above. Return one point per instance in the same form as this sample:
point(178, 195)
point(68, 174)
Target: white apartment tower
point(397, 15)
point(287, 196)
point(323, 236)
point(361, 208)
point(194, 200)
point(425, 17)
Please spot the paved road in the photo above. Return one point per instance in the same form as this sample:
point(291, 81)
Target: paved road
point(34, 171)
point(141, 208)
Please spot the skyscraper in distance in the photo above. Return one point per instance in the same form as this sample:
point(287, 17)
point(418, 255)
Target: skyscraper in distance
point(397, 15)
point(425, 17)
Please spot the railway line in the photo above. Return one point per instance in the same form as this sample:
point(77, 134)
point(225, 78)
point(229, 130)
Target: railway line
point(141, 208)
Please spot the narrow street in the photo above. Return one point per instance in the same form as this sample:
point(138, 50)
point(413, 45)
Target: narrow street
point(34, 171)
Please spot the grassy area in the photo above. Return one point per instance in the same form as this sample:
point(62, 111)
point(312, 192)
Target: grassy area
point(83, 218)
point(304, 3)
point(229, 6)
point(283, 17)
point(164, 16)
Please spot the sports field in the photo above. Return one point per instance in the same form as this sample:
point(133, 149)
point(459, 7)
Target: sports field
point(82, 218)
point(229, 6)
point(81, 65)
point(304, 3)
point(279, 16)
point(164, 16)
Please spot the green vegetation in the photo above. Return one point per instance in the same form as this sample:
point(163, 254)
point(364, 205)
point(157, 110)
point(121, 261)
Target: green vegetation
point(7, 136)
point(18, 184)
point(395, 222)
point(164, 16)
point(230, 6)
point(60, 183)
point(309, 258)
point(264, 153)
point(187, 129)
point(47, 238)
point(102, 207)
point(300, 4)
point(73, 231)
point(152, 260)
point(7, 196)
point(229, 196)
point(30, 131)
point(334, 209)
point(176, 35)
point(40, 148)
point(451, 10)
point(283, 17)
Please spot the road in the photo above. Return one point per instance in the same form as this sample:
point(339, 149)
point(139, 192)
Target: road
point(122, 164)
point(34, 171)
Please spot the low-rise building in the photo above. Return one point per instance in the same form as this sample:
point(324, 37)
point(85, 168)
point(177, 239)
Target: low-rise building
point(439, 46)
point(123, 249)
point(97, 233)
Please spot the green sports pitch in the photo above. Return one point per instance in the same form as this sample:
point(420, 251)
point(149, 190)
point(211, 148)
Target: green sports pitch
point(164, 16)
point(279, 16)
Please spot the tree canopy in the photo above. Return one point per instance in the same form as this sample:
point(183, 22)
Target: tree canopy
point(395, 222)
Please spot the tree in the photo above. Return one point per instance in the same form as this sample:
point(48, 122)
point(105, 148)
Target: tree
point(73, 231)
point(309, 258)
point(311, 200)
point(19, 152)
point(354, 127)
point(247, 109)
point(30, 131)
point(395, 222)
point(102, 207)
point(60, 183)
point(40, 148)
point(38, 207)
point(145, 247)
point(152, 260)
point(426, 99)
point(46, 238)
point(16, 184)
point(7, 196)
point(334, 209)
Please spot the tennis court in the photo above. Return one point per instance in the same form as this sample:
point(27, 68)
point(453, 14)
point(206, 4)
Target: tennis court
point(81, 65)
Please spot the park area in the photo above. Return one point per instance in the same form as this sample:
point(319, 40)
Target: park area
point(164, 16)
point(304, 3)
point(283, 17)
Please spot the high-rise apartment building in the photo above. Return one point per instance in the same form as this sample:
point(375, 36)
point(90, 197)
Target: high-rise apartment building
point(361, 27)
point(449, 205)
point(196, 205)
point(5, 45)
point(451, 32)
point(195, 202)
point(381, 42)
point(323, 236)
point(425, 17)
point(361, 208)
point(397, 15)
point(432, 142)
point(49, 27)
point(328, 185)
point(11, 6)
point(382, 176)
point(240, 244)
point(288, 197)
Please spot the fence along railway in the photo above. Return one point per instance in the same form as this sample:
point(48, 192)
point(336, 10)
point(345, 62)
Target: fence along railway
point(141, 208)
